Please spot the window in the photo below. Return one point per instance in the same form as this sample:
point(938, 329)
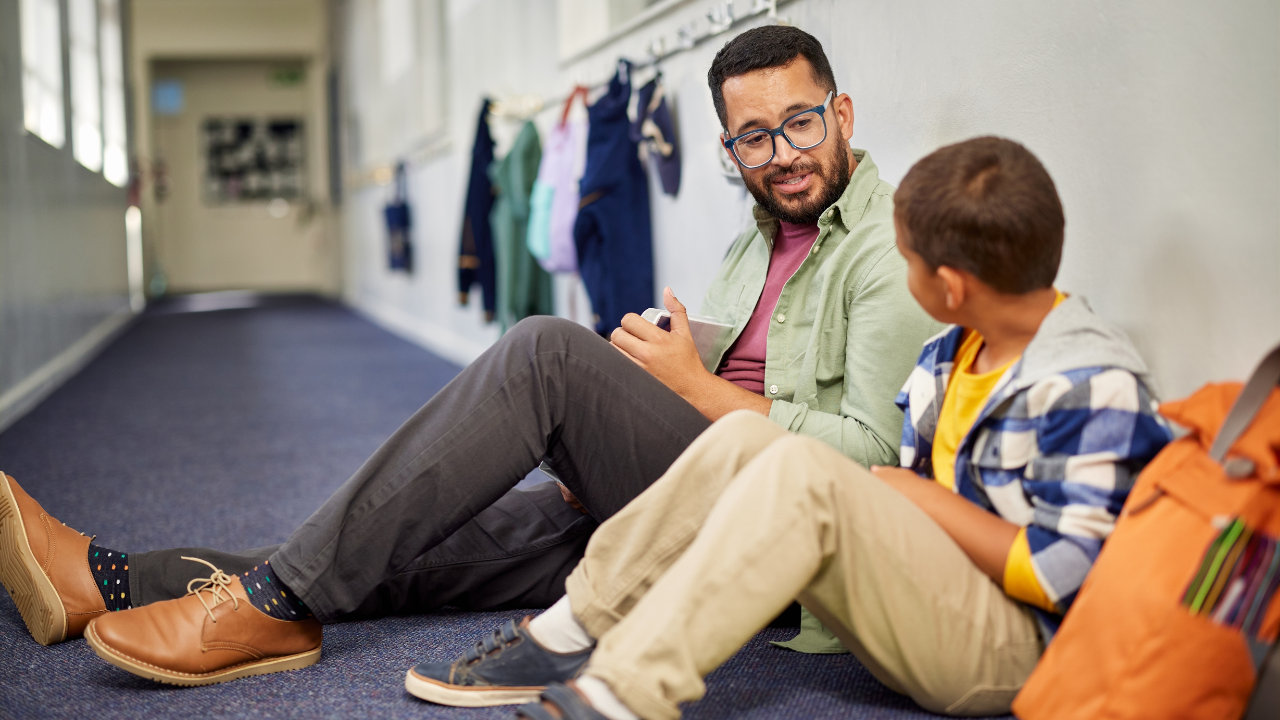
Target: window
point(86, 84)
point(42, 111)
point(115, 157)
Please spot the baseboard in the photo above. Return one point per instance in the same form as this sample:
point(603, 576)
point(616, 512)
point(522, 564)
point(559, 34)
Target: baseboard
point(23, 397)
point(442, 341)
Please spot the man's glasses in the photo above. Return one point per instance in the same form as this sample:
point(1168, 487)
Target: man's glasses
point(804, 130)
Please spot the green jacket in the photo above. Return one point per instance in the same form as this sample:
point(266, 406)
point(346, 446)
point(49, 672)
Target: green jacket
point(845, 334)
point(524, 288)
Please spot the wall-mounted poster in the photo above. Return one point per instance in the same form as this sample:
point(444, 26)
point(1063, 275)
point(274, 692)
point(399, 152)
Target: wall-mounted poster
point(249, 159)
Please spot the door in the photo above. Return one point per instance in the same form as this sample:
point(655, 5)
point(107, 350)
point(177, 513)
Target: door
point(237, 177)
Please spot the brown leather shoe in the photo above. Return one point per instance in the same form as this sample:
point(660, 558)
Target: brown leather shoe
point(45, 567)
point(212, 634)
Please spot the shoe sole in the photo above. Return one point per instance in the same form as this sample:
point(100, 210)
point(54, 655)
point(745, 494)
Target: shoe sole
point(170, 677)
point(459, 696)
point(20, 573)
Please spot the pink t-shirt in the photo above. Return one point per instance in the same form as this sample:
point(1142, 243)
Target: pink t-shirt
point(743, 364)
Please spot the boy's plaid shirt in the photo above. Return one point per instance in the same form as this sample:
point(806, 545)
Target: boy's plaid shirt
point(1056, 453)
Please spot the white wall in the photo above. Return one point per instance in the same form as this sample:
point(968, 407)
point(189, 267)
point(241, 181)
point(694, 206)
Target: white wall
point(63, 284)
point(1159, 120)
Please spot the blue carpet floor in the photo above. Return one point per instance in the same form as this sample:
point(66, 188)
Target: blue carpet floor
point(227, 429)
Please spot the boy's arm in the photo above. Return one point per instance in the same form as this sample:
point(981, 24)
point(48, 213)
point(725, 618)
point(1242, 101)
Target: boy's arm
point(984, 536)
point(1079, 481)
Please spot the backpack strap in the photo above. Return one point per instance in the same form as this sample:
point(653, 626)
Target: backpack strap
point(1247, 405)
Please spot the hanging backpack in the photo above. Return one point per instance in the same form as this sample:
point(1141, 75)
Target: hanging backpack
point(399, 247)
point(1178, 617)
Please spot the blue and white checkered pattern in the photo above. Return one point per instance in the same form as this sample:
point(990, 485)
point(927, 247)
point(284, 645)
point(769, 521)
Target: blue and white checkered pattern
point(1056, 454)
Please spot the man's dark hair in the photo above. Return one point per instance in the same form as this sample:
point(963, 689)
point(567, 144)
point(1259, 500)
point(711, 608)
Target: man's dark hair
point(988, 207)
point(768, 46)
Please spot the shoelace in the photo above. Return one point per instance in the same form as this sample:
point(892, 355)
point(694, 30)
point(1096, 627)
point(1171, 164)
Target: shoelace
point(504, 635)
point(216, 584)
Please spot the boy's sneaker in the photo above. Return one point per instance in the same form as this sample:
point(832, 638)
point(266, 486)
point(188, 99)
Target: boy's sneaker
point(508, 667)
point(45, 567)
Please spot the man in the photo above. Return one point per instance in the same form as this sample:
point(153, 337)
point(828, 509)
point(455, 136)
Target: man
point(824, 334)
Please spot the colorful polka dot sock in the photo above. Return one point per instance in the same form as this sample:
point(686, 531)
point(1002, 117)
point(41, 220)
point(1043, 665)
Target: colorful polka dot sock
point(111, 574)
point(272, 596)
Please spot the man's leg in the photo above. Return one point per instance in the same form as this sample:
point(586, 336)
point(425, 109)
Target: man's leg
point(802, 520)
point(515, 553)
point(549, 389)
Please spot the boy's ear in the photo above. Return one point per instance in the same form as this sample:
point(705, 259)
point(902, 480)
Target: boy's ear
point(953, 287)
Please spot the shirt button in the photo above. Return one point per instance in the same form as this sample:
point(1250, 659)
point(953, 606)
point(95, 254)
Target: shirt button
point(782, 317)
point(773, 389)
point(816, 248)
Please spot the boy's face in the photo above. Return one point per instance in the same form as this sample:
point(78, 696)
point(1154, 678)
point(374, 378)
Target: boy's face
point(797, 185)
point(927, 286)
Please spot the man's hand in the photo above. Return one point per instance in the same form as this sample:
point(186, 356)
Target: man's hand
point(673, 358)
point(983, 536)
point(669, 356)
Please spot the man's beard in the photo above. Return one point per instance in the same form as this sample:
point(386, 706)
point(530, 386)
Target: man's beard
point(834, 174)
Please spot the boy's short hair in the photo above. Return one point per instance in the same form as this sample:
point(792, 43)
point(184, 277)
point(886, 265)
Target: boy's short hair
point(988, 207)
point(767, 46)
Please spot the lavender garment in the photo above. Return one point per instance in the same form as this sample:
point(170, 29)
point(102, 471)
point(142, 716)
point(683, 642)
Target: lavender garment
point(555, 198)
point(743, 364)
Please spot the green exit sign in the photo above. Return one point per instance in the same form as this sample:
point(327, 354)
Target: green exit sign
point(287, 76)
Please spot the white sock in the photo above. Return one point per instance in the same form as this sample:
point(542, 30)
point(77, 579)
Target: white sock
point(559, 631)
point(603, 699)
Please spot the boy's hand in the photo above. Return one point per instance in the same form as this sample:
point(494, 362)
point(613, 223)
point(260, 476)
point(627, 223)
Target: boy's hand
point(669, 356)
point(673, 359)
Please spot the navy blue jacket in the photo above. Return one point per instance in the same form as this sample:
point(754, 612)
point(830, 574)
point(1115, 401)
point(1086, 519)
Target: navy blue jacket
point(475, 257)
point(612, 232)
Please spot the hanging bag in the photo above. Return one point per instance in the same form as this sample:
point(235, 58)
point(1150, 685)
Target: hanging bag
point(396, 213)
point(1178, 617)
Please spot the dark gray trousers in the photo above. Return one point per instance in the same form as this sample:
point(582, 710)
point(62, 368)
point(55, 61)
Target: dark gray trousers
point(433, 519)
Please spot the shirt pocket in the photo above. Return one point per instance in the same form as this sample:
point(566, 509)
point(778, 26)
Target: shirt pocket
point(722, 300)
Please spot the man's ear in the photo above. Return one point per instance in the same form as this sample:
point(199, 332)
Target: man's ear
point(843, 105)
point(954, 287)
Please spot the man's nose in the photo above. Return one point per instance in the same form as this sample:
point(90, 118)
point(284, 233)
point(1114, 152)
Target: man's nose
point(783, 153)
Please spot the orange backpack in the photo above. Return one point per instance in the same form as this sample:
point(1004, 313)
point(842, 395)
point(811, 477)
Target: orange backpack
point(1178, 617)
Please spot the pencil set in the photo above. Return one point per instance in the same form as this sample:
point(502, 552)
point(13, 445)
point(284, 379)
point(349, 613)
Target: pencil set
point(1237, 579)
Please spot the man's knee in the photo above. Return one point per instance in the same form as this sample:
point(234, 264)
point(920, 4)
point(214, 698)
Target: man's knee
point(544, 329)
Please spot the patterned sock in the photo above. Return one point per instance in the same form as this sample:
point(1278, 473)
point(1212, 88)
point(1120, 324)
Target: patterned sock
point(270, 595)
point(111, 575)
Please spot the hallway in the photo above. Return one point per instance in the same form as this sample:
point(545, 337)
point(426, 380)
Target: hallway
point(227, 429)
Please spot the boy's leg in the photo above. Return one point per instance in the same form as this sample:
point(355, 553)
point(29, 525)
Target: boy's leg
point(635, 547)
point(802, 520)
point(623, 559)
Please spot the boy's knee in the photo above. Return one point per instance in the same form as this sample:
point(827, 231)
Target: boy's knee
point(544, 330)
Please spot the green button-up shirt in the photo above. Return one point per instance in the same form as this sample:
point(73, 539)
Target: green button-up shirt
point(845, 333)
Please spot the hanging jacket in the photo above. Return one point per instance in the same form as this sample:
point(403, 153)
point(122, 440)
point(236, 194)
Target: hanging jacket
point(554, 204)
point(475, 257)
point(655, 130)
point(612, 232)
point(524, 288)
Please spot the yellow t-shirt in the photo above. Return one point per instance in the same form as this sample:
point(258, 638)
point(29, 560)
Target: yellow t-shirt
point(966, 395)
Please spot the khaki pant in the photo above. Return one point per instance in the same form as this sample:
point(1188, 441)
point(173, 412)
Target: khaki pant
point(750, 518)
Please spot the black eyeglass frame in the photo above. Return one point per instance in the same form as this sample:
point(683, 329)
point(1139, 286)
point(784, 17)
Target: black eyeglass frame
point(774, 133)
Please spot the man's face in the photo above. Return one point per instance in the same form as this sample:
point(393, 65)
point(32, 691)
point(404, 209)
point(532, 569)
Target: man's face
point(797, 185)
